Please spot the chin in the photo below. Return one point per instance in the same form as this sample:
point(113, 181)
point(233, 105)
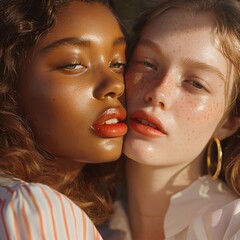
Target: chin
point(111, 156)
point(141, 152)
point(106, 157)
point(110, 151)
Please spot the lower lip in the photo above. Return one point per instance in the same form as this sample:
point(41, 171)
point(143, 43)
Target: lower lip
point(145, 130)
point(110, 130)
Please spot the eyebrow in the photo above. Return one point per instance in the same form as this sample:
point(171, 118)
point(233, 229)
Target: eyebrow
point(119, 41)
point(152, 45)
point(191, 63)
point(80, 42)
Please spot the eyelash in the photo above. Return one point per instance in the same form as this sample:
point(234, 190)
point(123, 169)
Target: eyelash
point(72, 66)
point(148, 64)
point(120, 66)
point(197, 85)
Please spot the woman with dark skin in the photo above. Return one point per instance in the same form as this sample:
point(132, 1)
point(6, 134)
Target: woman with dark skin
point(61, 68)
point(183, 144)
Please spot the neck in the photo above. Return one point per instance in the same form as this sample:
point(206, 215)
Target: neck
point(69, 167)
point(149, 191)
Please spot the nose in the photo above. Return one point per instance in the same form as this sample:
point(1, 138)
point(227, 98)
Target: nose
point(160, 94)
point(109, 85)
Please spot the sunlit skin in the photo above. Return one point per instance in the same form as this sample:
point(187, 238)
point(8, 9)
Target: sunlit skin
point(181, 85)
point(175, 92)
point(72, 82)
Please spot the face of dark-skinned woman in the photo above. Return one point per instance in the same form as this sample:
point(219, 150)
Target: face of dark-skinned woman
point(71, 83)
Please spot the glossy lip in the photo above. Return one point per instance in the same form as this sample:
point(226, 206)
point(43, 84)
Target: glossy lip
point(111, 130)
point(145, 130)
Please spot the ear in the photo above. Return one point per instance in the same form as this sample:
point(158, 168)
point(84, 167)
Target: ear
point(228, 128)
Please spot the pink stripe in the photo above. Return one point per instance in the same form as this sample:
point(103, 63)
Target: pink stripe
point(38, 210)
point(51, 210)
point(84, 225)
point(25, 217)
point(97, 235)
point(17, 235)
point(64, 216)
point(74, 216)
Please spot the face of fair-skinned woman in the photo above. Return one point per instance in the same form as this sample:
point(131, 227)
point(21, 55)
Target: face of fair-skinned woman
point(71, 85)
point(175, 88)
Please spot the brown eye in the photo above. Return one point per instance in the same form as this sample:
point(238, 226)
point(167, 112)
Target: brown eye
point(74, 66)
point(118, 67)
point(197, 85)
point(148, 65)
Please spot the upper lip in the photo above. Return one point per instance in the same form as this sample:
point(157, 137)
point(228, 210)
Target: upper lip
point(149, 117)
point(110, 113)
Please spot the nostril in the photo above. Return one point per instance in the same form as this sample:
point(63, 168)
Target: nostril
point(111, 94)
point(108, 89)
point(114, 90)
point(148, 99)
point(155, 98)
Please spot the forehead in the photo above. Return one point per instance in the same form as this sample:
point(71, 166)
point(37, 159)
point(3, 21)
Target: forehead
point(175, 23)
point(81, 19)
point(181, 35)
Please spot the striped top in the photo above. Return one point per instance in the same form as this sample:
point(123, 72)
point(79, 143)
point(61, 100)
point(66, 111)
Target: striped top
point(32, 211)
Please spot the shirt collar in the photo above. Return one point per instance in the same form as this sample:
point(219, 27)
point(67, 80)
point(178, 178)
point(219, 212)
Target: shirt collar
point(199, 196)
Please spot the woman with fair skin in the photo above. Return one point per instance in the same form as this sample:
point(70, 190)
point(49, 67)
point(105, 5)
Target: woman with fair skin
point(183, 147)
point(61, 65)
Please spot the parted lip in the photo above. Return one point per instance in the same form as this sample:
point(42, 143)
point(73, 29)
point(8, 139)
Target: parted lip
point(110, 123)
point(150, 118)
point(110, 113)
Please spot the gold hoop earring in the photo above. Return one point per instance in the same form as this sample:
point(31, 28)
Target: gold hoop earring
point(219, 159)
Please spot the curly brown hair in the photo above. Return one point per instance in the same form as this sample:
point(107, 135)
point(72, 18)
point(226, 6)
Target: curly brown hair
point(226, 15)
point(22, 24)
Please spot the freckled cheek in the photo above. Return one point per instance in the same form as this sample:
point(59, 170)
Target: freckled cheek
point(137, 84)
point(195, 125)
point(205, 115)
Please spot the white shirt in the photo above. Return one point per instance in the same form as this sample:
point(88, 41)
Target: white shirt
point(206, 210)
point(33, 211)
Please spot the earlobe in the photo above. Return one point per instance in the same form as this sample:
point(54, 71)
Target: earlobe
point(229, 127)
